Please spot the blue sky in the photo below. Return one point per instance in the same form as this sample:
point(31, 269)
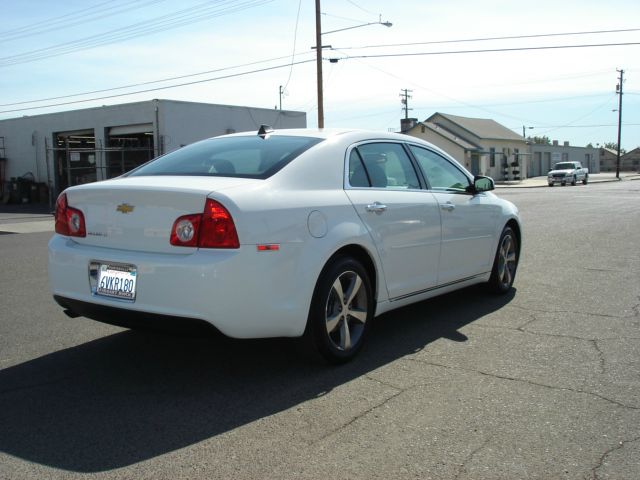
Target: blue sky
point(99, 46)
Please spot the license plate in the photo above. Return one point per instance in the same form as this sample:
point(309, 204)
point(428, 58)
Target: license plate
point(117, 281)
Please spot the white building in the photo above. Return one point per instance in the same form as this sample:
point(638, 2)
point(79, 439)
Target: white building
point(544, 157)
point(482, 145)
point(80, 146)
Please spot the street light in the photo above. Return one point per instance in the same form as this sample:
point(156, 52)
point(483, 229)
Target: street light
point(319, 47)
point(524, 133)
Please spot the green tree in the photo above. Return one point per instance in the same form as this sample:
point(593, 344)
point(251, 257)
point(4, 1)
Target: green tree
point(544, 140)
point(614, 146)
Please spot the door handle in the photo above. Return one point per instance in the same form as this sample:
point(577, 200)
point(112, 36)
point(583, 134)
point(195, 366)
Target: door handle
point(376, 207)
point(449, 207)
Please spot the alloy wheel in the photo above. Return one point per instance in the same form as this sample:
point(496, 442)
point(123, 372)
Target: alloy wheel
point(346, 311)
point(507, 261)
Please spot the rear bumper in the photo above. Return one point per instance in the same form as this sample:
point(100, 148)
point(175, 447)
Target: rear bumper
point(132, 319)
point(243, 293)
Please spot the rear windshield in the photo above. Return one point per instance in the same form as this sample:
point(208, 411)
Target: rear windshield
point(250, 157)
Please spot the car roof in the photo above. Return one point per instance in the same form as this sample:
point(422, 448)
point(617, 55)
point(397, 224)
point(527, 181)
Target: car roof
point(348, 135)
point(325, 133)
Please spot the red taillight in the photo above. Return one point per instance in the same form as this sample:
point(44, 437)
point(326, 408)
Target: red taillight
point(217, 229)
point(69, 220)
point(214, 228)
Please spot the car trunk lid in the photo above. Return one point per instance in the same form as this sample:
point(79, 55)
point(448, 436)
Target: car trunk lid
point(138, 213)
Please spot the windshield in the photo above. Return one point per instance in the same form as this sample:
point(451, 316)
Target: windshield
point(564, 166)
point(250, 157)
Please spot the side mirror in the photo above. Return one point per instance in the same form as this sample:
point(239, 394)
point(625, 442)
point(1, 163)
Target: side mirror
point(482, 184)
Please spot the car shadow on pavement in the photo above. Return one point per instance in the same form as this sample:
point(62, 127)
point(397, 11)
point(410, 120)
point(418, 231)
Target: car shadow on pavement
point(132, 396)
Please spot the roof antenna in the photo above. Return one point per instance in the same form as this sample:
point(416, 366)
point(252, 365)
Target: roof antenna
point(264, 131)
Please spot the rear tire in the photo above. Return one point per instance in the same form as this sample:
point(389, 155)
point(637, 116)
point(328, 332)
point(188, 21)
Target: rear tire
point(341, 311)
point(573, 182)
point(505, 262)
point(585, 180)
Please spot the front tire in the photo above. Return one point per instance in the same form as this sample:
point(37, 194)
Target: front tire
point(341, 311)
point(505, 262)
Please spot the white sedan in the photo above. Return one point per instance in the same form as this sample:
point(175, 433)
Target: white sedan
point(290, 233)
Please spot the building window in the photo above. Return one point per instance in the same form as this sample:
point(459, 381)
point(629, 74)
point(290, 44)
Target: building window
point(492, 157)
point(565, 157)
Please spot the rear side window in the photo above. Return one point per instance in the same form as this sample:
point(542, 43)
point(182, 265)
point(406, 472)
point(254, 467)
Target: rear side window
point(381, 165)
point(250, 157)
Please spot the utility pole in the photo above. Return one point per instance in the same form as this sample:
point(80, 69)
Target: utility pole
point(619, 92)
point(319, 66)
point(319, 48)
point(404, 95)
point(280, 92)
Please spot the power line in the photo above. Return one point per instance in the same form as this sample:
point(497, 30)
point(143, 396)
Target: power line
point(198, 13)
point(359, 7)
point(269, 68)
point(492, 50)
point(440, 94)
point(49, 21)
point(484, 39)
point(568, 125)
point(527, 102)
point(140, 84)
point(293, 53)
point(80, 17)
point(160, 88)
point(586, 126)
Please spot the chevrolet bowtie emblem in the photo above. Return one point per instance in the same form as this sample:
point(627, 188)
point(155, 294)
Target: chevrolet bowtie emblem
point(125, 208)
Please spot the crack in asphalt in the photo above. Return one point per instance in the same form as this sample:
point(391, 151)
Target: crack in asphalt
point(529, 382)
point(576, 312)
point(363, 414)
point(636, 315)
point(600, 464)
point(471, 456)
point(603, 365)
point(386, 384)
point(523, 327)
point(593, 341)
point(559, 335)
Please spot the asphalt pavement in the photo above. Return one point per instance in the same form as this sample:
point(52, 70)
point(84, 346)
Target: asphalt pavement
point(543, 383)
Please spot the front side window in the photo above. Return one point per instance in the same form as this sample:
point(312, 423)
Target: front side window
point(382, 165)
point(250, 157)
point(439, 172)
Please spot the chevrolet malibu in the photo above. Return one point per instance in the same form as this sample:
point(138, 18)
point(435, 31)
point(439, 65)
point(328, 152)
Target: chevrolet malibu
point(290, 233)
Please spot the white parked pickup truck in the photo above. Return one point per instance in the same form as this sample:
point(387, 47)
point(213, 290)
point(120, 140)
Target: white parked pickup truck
point(567, 172)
